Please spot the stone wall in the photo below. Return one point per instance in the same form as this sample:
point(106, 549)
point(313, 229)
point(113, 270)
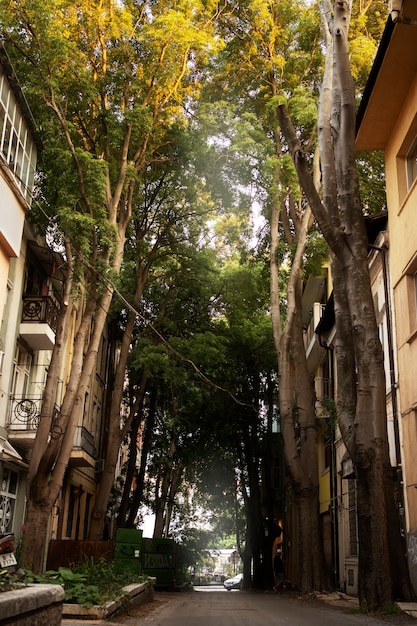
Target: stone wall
point(35, 604)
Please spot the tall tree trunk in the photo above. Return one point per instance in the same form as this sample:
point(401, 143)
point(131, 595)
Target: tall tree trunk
point(298, 430)
point(115, 434)
point(146, 445)
point(125, 502)
point(312, 574)
point(176, 477)
point(54, 372)
point(46, 483)
point(361, 401)
point(253, 504)
point(161, 497)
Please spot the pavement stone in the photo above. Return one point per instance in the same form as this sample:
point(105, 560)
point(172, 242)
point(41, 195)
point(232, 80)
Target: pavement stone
point(342, 599)
point(408, 607)
point(336, 599)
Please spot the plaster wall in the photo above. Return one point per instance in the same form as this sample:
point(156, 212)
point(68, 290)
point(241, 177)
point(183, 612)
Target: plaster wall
point(12, 217)
point(402, 204)
point(10, 327)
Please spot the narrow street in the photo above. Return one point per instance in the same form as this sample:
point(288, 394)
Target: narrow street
point(213, 606)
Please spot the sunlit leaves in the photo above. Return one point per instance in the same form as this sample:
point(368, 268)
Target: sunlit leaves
point(303, 107)
point(107, 80)
point(362, 53)
point(367, 24)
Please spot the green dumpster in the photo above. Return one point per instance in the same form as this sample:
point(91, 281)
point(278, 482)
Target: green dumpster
point(158, 559)
point(127, 548)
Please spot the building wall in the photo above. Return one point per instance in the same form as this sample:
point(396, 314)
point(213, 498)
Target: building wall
point(12, 217)
point(32, 274)
point(12, 468)
point(402, 202)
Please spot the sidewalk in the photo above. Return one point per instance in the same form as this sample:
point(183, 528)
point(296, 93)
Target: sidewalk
point(338, 598)
point(408, 607)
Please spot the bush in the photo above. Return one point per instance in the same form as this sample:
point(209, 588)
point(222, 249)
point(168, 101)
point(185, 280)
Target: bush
point(89, 583)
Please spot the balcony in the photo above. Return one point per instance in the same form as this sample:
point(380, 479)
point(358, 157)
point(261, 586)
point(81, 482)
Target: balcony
point(24, 416)
point(39, 322)
point(23, 420)
point(84, 451)
point(314, 351)
point(323, 387)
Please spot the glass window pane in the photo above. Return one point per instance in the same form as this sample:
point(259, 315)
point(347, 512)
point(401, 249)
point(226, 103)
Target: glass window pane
point(415, 293)
point(13, 151)
point(13, 482)
point(6, 139)
point(5, 91)
point(2, 118)
point(411, 159)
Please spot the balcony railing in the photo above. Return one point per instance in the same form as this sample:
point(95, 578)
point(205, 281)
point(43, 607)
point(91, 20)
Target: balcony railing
point(83, 453)
point(323, 387)
point(84, 440)
point(24, 413)
point(316, 315)
point(40, 310)
point(23, 420)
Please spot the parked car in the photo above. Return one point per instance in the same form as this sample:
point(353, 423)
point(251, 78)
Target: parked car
point(233, 583)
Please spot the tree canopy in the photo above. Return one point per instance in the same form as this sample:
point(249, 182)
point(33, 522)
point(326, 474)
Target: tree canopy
point(161, 146)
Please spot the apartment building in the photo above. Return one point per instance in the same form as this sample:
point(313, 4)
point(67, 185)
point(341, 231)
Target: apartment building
point(32, 277)
point(18, 152)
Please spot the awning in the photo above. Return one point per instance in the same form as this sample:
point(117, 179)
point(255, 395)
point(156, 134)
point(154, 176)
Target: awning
point(8, 453)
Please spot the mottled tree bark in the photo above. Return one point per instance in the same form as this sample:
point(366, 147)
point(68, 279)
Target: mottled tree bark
point(361, 402)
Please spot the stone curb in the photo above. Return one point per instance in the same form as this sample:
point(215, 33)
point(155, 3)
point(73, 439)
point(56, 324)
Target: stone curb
point(31, 598)
point(137, 592)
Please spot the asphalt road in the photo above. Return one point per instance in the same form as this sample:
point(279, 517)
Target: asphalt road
point(213, 606)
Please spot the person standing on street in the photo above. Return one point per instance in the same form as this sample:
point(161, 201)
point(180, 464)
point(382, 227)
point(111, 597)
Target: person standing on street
point(277, 562)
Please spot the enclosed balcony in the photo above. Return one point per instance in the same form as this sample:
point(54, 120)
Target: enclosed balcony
point(39, 322)
point(84, 451)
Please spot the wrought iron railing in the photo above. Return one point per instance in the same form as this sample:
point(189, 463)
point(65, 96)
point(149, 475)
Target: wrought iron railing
point(40, 309)
point(25, 413)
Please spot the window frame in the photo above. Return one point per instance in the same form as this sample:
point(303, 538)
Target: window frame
point(8, 498)
point(17, 145)
point(411, 164)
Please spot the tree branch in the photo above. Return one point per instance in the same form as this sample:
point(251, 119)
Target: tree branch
point(333, 236)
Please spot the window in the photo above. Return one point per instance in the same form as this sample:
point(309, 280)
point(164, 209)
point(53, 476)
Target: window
point(406, 300)
point(415, 295)
point(79, 506)
point(16, 145)
point(353, 532)
point(326, 454)
point(411, 164)
point(21, 373)
point(8, 495)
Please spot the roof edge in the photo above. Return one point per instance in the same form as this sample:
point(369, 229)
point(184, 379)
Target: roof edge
point(373, 75)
